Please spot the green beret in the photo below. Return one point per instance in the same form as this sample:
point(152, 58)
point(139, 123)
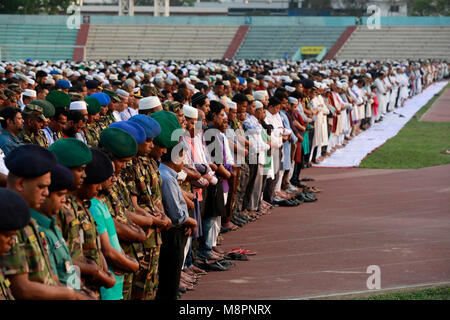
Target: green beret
point(59, 99)
point(93, 105)
point(119, 142)
point(71, 152)
point(168, 122)
point(47, 106)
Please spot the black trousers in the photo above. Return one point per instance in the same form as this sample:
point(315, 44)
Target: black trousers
point(171, 259)
point(251, 183)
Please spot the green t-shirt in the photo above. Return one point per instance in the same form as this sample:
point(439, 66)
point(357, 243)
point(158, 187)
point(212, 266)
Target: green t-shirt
point(105, 223)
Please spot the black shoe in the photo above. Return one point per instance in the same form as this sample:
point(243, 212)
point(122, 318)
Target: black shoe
point(285, 203)
point(236, 222)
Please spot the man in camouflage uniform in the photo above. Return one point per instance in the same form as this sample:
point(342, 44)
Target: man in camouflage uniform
point(76, 222)
point(92, 129)
point(147, 182)
point(34, 121)
point(27, 264)
point(108, 100)
point(121, 147)
point(11, 205)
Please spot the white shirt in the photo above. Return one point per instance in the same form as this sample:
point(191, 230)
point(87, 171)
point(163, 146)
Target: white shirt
point(278, 128)
point(3, 168)
point(128, 113)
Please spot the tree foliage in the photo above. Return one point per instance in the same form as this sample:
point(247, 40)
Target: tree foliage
point(430, 8)
point(34, 6)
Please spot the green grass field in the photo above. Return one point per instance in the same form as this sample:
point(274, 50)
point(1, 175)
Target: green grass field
point(424, 294)
point(417, 145)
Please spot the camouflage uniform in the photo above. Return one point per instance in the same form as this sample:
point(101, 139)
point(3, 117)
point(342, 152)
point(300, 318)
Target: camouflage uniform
point(79, 229)
point(34, 138)
point(5, 291)
point(146, 178)
point(105, 120)
point(118, 201)
point(28, 256)
point(92, 134)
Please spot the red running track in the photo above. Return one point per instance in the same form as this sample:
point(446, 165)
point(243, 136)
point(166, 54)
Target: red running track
point(398, 220)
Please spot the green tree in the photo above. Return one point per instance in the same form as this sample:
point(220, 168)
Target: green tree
point(34, 6)
point(430, 8)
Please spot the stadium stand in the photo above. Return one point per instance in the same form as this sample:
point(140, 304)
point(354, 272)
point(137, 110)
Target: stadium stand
point(158, 41)
point(37, 41)
point(273, 42)
point(397, 42)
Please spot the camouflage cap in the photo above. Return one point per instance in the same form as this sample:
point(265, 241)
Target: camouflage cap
point(15, 87)
point(172, 106)
point(11, 95)
point(75, 96)
point(113, 95)
point(34, 110)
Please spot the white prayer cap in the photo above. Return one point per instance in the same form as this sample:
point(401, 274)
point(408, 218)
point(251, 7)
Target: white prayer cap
point(368, 75)
point(32, 74)
point(268, 78)
point(50, 81)
point(194, 78)
point(232, 104)
point(130, 83)
point(89, 77)
point(2, 70)
point(122, 93)
point(258, 105)
point(29, 93)
point(293, 100)
point(169, 81)
point(31, 81)
point(113, 77)
point(21, 77)
point(149, 103)
point(69, 73)
point(289, 88)
point(190, 112)
point(190, 86)
point(259, 95)
point(226, 83)
point(78, 105)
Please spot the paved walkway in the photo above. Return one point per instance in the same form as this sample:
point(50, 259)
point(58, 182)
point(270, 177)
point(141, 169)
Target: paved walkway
point(398, 220)
point(440, 110)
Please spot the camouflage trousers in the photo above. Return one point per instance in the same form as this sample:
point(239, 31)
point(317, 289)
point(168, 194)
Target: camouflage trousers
point(241, 188)
point(145, 280)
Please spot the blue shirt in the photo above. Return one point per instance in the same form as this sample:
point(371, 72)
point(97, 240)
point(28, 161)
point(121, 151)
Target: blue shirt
point(174, 204)
point(8, 142)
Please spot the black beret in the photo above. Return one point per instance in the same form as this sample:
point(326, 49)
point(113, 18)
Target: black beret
point(14, 211)
point(62, 179)
point(30, 161)
point(99, 169)
point(308, 83)
point(92, 84)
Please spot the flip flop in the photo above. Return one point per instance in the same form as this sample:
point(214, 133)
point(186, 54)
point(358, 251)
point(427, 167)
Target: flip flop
point(243, 251)
point(236, 256)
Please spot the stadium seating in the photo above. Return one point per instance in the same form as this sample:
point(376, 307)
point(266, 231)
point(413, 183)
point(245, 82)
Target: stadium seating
point(397, 42)
point(37, 41)
point(178, 42)
point(273, 42)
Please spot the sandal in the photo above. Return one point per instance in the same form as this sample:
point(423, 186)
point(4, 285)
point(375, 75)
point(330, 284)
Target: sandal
point(236, 256)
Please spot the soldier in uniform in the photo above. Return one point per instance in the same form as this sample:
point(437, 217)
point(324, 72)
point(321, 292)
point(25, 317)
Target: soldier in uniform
point(108, 100)
point(75, 221)
point(14, 215)
point(122, 147)
point(34, 121)
point(27, 264)
point(147, 184)
point(92, 129)
point(100, 172)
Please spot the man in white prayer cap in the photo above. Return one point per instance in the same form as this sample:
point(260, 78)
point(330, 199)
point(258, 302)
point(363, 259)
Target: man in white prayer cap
point(150, 105)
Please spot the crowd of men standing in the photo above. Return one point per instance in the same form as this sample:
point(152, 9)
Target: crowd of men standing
point(119, 178)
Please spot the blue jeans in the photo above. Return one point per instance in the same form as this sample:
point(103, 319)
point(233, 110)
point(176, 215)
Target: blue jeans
point(206, 240)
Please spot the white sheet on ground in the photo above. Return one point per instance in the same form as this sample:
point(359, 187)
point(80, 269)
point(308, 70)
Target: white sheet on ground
point(369, 140)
